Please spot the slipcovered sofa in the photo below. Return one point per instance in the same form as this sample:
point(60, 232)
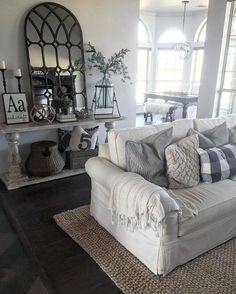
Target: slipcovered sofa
point(179, 238)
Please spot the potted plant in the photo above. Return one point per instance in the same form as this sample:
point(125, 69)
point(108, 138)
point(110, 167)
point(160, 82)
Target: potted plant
point(104, 97)
point(63, 105)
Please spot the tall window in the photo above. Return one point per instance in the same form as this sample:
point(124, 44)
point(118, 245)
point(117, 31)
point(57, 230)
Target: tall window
point(172, 36)
point(170, 68)
point(144, 54)
point(197, 59)
point(200, 36)
point(227, 101)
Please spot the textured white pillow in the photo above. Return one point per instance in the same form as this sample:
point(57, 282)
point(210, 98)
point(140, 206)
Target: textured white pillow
point(182, 160)
point(81, 140)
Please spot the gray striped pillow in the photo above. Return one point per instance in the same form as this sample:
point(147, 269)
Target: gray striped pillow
point(217, 163)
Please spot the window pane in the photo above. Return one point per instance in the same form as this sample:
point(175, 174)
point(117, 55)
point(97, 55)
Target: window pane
point(196, 70)
point(172, 36)
point(142, 33)
point(233, 28)
point(231, 62)
point(142, 74)
point(168, 86)
point(202, 35)
point(232, 46)
point(169, 75)
point(142, 64)
point(227, 103)
point(230, 80)
point(140, 90)
point(198, 65)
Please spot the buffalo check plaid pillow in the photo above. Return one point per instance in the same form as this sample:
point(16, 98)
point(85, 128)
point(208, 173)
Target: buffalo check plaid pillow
point(217, 163)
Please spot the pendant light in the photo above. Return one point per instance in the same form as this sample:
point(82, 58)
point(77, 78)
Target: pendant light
point(184, 49)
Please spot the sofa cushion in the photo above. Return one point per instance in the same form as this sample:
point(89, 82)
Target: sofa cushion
point(117, 137)
point(204, 204)
point(180, 128)
point(147, 157)
point(230, 120)
point(217, 136)
point(204, 124)
point(182, 162)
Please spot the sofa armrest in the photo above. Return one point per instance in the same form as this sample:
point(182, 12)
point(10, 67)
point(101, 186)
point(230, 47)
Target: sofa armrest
point(102, 171)
point(103, 151)
point(103, 174)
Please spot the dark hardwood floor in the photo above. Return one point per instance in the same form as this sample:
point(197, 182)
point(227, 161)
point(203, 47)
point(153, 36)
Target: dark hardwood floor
point(66, 267)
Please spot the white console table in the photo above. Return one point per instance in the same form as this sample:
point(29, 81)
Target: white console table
point(15, 178)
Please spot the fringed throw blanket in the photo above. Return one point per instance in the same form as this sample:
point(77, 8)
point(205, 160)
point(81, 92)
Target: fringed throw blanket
point(139, 204)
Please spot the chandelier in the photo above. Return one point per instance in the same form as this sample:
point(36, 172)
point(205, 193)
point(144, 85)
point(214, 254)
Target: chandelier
point(184, 49)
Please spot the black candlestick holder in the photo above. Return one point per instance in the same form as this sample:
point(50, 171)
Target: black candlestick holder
point(19, 83)
point(4, 80)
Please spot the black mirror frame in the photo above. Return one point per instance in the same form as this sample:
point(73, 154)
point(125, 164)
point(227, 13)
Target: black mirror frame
point(42, 44)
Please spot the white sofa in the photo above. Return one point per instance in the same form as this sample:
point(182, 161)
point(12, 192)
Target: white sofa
point(180, 237)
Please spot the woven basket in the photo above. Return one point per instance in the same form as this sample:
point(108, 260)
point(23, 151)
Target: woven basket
point(77, 159)
point(44, 160)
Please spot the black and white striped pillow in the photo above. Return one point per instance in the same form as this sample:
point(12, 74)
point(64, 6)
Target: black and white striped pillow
point(217, 163)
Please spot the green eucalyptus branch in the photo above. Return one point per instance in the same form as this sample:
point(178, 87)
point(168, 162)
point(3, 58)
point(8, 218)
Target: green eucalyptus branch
point(112, 66)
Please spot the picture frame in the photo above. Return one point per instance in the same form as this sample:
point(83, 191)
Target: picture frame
point(15, 108)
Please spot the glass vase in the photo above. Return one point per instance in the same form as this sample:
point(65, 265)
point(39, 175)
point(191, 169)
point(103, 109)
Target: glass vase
point(104, 93)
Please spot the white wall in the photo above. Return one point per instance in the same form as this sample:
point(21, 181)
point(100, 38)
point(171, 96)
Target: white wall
point(108, 24)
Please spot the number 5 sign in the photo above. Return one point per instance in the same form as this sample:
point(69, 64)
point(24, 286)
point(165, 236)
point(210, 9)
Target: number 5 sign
point(15, 106)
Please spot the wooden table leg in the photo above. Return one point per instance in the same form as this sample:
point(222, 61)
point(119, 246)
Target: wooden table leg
point(185, 110)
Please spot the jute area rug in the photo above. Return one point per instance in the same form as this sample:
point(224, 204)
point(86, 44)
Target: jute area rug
point(214, 272)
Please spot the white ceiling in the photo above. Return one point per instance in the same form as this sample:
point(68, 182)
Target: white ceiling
point(172, 5)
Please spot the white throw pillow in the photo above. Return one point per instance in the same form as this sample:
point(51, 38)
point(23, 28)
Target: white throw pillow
point(82, 140)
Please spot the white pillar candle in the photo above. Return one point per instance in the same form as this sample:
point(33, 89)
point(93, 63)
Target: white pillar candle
point(17, 72)
point(2, 64)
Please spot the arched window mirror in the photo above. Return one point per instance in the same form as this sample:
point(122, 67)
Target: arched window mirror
point(170, 68)
point(144, 55)
point(197, 59)
point(54, 42)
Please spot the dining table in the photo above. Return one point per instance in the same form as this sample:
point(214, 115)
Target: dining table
point(184, 98)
